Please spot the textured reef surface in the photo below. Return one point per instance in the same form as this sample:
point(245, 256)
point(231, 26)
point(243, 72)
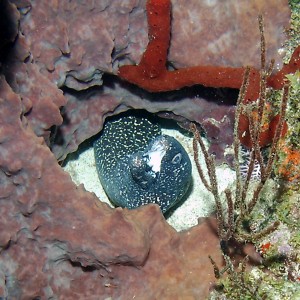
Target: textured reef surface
point(59, 61)
point(76, 47)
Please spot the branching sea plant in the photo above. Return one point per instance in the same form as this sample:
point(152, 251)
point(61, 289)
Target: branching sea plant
point(237, 282)
point(242, 199)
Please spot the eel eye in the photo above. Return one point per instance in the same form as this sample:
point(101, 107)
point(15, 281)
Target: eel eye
point(176, 159)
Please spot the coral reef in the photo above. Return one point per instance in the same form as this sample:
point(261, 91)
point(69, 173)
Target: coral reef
point(152, 73)
point(248, 209)
point(59, 240)
point(64, 41)
point(240, 220)
point(57, 86)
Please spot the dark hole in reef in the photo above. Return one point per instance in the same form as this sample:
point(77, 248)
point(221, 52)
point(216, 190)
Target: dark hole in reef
point(115, 86)
point(164, 123)
point(8, 30)
point(111, 83)
point(221, 96)
point(164, 119)
point(84, 269)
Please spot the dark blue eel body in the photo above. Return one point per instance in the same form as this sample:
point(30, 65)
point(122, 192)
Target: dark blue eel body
point(138, 165)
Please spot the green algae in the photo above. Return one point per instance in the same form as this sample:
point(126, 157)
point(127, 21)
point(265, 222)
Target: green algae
point(257, 285)
point(293, 114)
point(293, 32)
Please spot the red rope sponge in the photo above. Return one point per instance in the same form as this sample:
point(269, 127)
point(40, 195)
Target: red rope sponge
point(267, 134)
point(152, 74)
point(153, 62)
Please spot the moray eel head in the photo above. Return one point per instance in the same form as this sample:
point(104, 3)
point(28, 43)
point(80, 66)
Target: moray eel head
point(145, 166)
point(164, 168)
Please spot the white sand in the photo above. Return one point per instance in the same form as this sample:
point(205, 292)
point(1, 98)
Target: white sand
point(199, 202)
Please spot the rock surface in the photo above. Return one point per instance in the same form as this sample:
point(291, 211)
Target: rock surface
point(59, 240)
point(56, 239)
point(77, 45)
